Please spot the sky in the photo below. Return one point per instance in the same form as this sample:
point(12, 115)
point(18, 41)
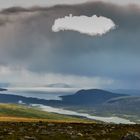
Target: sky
point(83, 44)
point(48, 3)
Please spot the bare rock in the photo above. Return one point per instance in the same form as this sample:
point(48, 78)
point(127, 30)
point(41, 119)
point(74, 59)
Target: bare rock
point(131, 136)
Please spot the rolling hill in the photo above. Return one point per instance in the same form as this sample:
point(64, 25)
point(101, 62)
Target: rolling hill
point(14, 112)
point(90, 97)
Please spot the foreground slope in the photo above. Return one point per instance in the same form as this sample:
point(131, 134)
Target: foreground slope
point(67, 131)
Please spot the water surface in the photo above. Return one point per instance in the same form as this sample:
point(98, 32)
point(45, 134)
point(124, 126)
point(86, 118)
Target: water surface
point(116, 120)
point(41, 93)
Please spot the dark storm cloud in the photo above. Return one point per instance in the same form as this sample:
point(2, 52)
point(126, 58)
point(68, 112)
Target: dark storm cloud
point(27, 40)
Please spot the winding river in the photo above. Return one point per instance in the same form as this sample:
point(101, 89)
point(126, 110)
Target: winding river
point(116, 120)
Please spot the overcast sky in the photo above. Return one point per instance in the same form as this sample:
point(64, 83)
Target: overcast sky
point(28, 3)
point(97, 46)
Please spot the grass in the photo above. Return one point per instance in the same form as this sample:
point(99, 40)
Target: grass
point(14, 112)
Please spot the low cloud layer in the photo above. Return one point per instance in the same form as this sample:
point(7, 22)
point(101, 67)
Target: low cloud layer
point(86, 25)
point(24, 77)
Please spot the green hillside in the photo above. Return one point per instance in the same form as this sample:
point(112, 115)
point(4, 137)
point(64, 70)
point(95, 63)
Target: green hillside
point(21, 111)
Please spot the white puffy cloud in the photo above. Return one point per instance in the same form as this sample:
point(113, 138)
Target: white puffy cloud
point(86, 25)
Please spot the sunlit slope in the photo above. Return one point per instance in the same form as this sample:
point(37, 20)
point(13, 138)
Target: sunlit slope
point(13, 112)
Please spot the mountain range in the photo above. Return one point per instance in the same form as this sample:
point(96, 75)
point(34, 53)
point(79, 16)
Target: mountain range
point(92, 101)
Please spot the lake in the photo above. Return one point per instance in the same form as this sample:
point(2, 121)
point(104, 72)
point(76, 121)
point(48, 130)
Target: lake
point(41, 93)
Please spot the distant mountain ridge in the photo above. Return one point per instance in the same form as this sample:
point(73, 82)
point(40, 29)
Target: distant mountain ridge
point(82, 97)
point(90, 97)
